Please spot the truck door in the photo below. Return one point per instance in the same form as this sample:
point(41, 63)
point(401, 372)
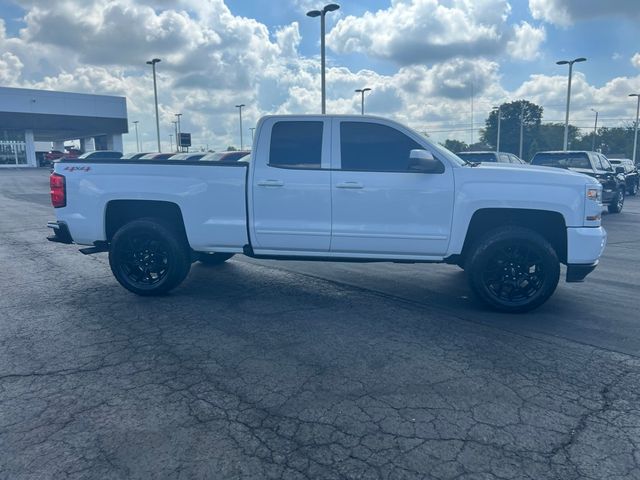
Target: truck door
point(291, 190)
point(379, 205)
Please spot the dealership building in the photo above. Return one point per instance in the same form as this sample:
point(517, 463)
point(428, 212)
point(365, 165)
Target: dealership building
point(39, 117)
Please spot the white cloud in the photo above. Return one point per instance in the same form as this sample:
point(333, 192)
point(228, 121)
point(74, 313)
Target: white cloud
point(415, 31)
point(10, 69)
point(567, 12)
point(635, 60)
point(526, 42)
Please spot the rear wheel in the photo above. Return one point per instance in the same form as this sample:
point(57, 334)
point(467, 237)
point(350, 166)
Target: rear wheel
point(513, 269)
point(147, 257)
point(633, 189)
point(617, 203)
point(214, 258)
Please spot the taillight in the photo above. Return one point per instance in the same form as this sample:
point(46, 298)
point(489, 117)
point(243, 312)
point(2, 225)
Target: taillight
point(58, 190)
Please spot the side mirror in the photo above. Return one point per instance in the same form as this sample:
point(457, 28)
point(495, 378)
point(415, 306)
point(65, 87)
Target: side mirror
point(620, 170)
point(424, 161)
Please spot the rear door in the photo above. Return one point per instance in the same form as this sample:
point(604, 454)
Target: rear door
point(290, 194)
point(380, 206)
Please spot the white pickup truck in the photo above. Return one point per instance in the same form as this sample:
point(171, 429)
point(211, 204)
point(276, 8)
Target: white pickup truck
point(335, 188)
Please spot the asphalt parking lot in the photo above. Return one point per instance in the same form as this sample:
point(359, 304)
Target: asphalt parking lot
point(304, 370)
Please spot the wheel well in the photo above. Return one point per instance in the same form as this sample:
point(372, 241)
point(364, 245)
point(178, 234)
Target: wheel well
point(550, 225)
point(121, 212)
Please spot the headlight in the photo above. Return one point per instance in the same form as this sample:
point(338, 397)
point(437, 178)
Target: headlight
point(594, 194)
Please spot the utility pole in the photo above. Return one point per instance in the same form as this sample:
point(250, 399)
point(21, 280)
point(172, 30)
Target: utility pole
point(155, 95)
point(322, 13)
point(239, 107)
point(499, 108)
point(635, 135)
point(175, 127)
point(171, 142)
point(178, 134)
point(595, 129)
point(253, 129)
point(566, 118)
point(135, 123)
point(361, 91)
point(522, 127)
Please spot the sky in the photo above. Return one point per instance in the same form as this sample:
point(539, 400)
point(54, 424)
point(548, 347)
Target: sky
point(438, 66)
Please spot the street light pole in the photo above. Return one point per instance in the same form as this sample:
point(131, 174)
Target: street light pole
point(635, 135)
point(178, 133)
point(155, 95)
point(361, 92)
point(175, 128)
point(566, 119)
point(522, 127)
point(595, 129)
point(135, 123)
point(253, 129)
point(499, 108)
point(239, 107)
point(322, 13)
point(171, 142)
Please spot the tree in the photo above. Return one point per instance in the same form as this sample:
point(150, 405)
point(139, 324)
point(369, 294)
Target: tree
point(610, 140)
point(455, 145)
point(510, 127)
point(231, 148)
point(551, 137)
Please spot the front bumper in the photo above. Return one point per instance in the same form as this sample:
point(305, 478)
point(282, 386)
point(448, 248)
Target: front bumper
point(576, 273)
point(61, 233)
point(584, 249)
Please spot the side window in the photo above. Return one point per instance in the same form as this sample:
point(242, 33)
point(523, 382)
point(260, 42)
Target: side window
point(296, 145)
point(597, 164)
point(374, 147)
point(515, 160)
point(504, 158)
point(605, 164)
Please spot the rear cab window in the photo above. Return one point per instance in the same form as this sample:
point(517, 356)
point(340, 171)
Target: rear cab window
point(296, 144)
point(562, 160)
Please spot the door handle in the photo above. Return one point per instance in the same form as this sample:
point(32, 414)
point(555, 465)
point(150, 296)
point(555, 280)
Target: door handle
point(270, 183)
point(352, 185)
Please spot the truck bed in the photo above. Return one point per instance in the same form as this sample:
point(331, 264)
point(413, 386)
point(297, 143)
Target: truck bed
point(211, 197)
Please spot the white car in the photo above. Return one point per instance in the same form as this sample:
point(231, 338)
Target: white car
point(336, 188)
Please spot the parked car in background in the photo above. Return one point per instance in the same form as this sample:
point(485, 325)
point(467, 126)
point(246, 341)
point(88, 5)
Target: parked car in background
point(494, 157)
point(188, 156)
point(133, 156)
point(225, 156)
point(157, 156)
point(631, 175)
point(98, 154)
point(52, 155)
point(593, 164)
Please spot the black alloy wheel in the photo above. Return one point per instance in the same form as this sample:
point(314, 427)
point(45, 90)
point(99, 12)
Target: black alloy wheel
point(513, 269)
point(148, 257)
point(514, 273)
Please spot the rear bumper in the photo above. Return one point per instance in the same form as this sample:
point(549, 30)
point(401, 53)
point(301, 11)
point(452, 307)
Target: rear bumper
point(61, 233)
point(577, 272)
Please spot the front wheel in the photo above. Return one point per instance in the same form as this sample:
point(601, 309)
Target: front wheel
point(513, 269)
point(617, 203)
point(149, 258)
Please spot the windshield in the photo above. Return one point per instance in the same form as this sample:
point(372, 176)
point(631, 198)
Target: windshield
point(478, 157)
point(562, 160)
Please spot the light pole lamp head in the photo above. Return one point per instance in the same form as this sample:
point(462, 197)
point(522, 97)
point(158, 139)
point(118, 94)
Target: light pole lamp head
point(332, 7)
point(580, 59)
point(635, 95)
point(562, 62)
point(240, 106)
point(153, 61)
point(314, 13)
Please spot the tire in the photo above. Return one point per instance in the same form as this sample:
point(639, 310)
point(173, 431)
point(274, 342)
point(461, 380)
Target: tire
point(633, 189)
point(148, 257)
point(618, 202)
point(499, 269)
point(211, 259)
